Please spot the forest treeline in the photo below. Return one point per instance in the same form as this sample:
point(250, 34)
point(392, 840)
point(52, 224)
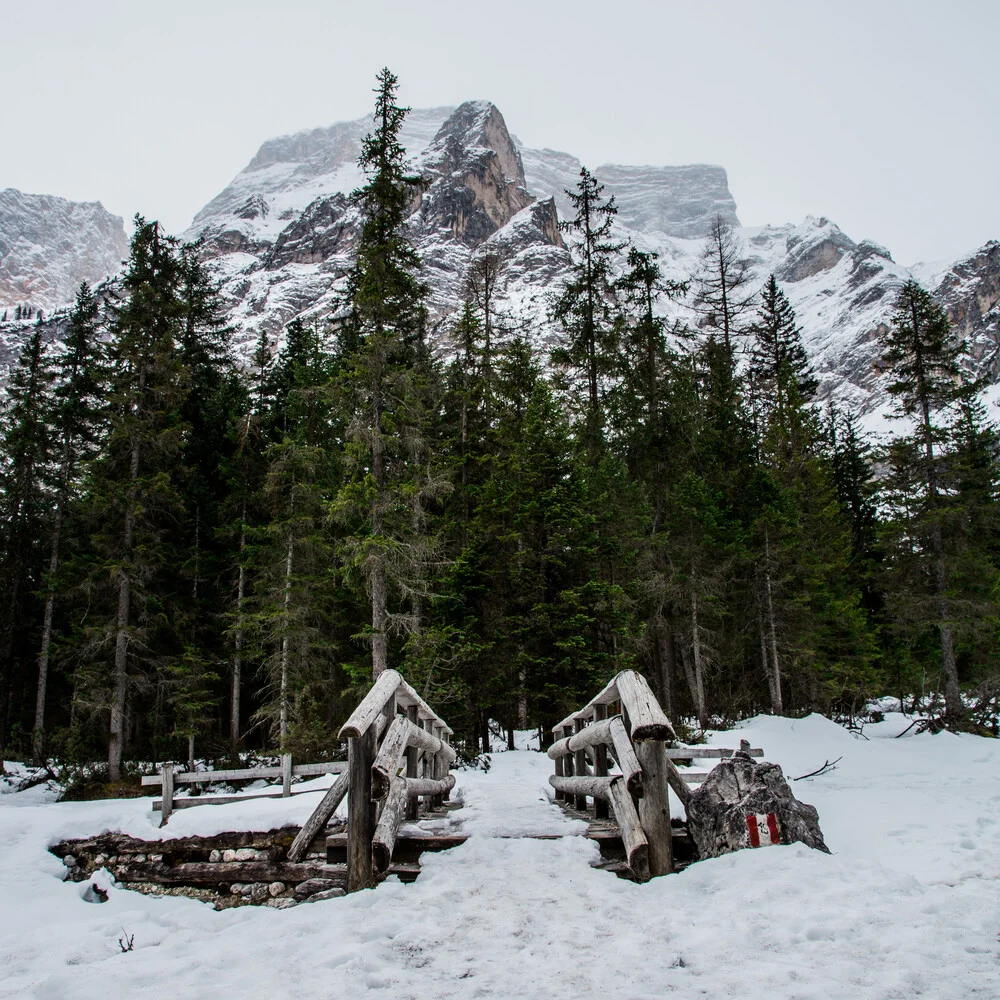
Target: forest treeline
point(205, 555)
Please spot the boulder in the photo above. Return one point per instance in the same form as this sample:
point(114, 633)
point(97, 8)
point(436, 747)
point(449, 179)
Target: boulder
point(745, 803)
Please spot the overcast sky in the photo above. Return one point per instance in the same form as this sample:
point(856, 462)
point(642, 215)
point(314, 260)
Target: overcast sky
point(880, 115)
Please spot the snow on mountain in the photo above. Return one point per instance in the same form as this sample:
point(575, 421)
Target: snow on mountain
point(48, 245)
point(280, 239)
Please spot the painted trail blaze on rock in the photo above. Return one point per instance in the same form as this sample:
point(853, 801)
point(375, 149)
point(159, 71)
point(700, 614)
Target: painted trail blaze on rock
point(762, 828)
point(743, 803)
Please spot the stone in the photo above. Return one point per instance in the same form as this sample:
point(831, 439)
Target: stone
point(312, 886)
point(723, 811)
point(258, 892)
point(276, 888)
point(229, 855)
point(244, 854)
point(237, 888)
point(281, 904)
point(69, 861)
point(215, 857)
point(325, 894)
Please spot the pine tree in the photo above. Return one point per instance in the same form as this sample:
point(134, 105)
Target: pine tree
point(384, 381)
point(134, 504)
point(586, 306)
point(924, 363)
point(77, 423)
point(25, 496)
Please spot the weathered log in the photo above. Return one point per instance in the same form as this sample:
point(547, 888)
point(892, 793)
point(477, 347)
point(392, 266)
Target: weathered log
point(580, 765)
point(371, 705)
point(431, 743)
point(167, 802)
point(226, 800)
point(393, 812)
point(654, 806)
point(645, 715)
point(407, 696)
point(320, 817)
point(633, 838)
point(429, 786)
point(676, 780)
point(600, 752)
point(582, 785)
point(412, 763)
point(286, 775)
point(388, 760)
point(360, 808)
point(208, 874)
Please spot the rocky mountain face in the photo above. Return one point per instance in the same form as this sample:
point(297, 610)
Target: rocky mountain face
point(49, 245)
point(280, 239)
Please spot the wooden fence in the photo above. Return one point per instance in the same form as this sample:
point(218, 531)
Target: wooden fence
point(635, 736)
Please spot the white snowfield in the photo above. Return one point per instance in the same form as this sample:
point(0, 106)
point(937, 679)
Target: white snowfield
point(907, 905)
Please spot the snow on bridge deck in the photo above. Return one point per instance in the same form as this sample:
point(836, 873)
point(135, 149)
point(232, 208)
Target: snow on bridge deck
point(906, 906)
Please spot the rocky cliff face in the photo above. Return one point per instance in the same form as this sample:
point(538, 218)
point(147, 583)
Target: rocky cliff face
point(281, 237)
point(49, 245)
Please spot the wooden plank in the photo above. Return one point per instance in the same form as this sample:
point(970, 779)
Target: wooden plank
point(228, 800)
point(371, 705)
point(319, 818)
point(654, 806)
point(360, 808)
point(248, 773)
point(633, 836)
point(690, 753)
point(645, 715)
point(387, 829)
point(582, 785)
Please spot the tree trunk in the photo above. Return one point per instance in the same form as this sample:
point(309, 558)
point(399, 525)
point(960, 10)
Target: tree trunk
point(234, 705)
point(286, 643)
point(117, 726)
point(38, 733)
point(774, 677)
point(697, 677)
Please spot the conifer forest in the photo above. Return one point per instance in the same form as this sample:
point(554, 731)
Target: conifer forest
point(204, 555)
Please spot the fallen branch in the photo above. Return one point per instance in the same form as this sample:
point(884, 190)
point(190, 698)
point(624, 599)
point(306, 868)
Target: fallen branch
point(830, 765)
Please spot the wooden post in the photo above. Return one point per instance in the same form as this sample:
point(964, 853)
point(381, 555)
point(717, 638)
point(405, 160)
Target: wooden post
point(360, 810)
point(654, 806)
point(559, 774)
point(167, 807)
point(601, 810)
point(437, 801)
point(580, 766)
point(412, 760)
point(445, 766)
point(286, 775)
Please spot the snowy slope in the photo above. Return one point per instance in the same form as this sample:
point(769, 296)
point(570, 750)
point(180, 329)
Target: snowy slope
point(48, 245)
point(905, 906)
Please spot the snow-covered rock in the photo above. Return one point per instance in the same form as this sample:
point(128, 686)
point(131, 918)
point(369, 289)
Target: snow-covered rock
point(48, 245)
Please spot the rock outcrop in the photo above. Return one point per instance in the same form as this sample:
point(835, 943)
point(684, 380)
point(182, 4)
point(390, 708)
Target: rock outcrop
point(48, 245)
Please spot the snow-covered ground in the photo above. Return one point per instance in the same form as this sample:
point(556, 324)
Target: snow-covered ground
point(906, 906)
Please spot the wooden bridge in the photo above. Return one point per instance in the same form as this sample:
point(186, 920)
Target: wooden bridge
point(614, 760)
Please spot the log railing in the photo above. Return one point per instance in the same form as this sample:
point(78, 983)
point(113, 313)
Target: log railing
point(398, 753)
point(635, 736)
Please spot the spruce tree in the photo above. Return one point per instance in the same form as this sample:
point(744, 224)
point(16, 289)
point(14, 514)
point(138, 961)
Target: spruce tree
point(78, 418)
point(723, 286)
point(26, 448)
point(923, 360)
point(586, 307)
point(384, 380)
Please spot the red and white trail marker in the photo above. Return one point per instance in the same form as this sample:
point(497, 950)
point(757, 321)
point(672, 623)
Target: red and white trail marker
point(763, 829)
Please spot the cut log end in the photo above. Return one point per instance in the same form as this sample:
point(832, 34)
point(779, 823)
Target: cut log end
point(653, 731)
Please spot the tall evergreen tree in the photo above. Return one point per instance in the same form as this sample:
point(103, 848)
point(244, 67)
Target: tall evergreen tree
point(586, 307)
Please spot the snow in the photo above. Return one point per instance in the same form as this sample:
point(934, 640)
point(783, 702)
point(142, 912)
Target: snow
point(905, 906)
